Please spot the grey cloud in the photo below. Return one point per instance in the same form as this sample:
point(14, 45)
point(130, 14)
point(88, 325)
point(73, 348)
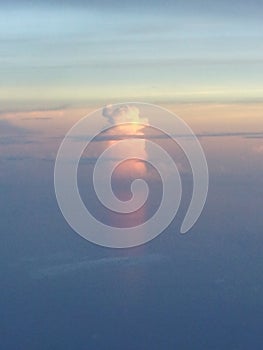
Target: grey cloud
point(17, 158)
point(15, 140)
point(258, 136)
point(105, 137)
point(38, 118)
point(233, 134)
point(7, 128)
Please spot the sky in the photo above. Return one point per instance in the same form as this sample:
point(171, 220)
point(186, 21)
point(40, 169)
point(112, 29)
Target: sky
point(85, 52)
point(62, 60)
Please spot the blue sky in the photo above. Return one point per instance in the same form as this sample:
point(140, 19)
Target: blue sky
point(89, 51)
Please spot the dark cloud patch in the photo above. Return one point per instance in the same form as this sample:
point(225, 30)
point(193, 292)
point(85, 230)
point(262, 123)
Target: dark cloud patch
point(11, 134)
point(7, 128)
point(38, 118)
point(244, 134)
point(104, 137)
point(258, 136)
point(18, 158)
point(10, 140)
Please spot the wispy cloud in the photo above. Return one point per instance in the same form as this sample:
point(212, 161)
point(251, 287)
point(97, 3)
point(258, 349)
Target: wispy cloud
point(86, 264)
point(23, 109)
point(17, 158)
point(38, 118)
